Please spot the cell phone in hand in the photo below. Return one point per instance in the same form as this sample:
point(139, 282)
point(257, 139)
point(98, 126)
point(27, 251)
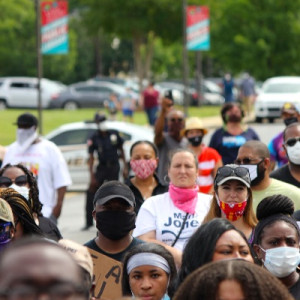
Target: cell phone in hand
point(169, 95)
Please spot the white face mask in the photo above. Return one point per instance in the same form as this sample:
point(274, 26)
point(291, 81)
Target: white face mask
point(294, 153)
point(102, 126)
point(25, 137)
point(252, 170)
point(23, 190)
point(281, 261)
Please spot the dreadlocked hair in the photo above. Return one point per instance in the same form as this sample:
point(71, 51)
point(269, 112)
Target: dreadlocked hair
point(255, 282)
point(21, 211)
point(35, 204)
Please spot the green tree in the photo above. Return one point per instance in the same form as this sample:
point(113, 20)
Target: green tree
point(17, 38)
point(140, 21)
point(261, 36)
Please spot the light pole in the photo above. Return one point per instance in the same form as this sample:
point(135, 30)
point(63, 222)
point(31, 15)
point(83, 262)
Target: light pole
point(185, 61)
point(39, 62)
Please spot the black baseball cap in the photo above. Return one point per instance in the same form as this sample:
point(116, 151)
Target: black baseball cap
point(27, 119)
point(232, 172)
point(99, 117)
point(114, 190)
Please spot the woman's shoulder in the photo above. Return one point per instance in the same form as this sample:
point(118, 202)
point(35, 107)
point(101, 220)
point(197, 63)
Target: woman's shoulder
point(204, 199)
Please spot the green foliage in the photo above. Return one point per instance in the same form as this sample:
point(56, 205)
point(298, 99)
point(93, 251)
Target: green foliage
point(260, 36)
point(17, 37)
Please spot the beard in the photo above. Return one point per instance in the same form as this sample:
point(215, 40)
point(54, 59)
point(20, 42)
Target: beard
point(261, 173)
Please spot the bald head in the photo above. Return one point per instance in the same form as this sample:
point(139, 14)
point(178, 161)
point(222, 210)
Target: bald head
point(293, 130)
point(40, 265)
point(258, 148)
point(175, 123)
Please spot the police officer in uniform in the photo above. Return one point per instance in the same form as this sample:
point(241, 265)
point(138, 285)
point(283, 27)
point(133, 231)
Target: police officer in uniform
point(109, 147)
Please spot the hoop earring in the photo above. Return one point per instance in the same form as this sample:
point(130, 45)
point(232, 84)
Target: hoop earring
point(167, 179)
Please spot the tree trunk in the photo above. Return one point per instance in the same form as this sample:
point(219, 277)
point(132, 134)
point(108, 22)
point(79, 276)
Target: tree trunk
point(143, 55)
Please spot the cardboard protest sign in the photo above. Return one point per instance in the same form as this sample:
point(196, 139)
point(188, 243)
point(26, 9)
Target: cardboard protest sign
point(108, 276)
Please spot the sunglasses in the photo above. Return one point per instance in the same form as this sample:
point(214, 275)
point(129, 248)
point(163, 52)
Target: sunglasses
point(6, 182)
point(227, 171)
point(291, 142)
point(245, 161)
point(176, 120)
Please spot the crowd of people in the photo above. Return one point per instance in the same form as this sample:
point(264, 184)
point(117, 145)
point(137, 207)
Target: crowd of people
point(189, 221)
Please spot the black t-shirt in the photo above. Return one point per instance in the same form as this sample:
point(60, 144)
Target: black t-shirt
point(285, 175)
point(139, 200)
point(295, 290)
point(116, 256)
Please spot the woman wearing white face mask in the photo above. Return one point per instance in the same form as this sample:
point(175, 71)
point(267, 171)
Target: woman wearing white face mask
point(19, 178)
point(276, 240)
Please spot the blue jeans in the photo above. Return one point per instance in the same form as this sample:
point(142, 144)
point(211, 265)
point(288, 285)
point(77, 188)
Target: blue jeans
point(151, 114)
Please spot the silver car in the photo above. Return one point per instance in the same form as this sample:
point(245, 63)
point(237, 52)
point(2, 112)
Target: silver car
point(71, 138)
point(86, 94)
point(22, 92)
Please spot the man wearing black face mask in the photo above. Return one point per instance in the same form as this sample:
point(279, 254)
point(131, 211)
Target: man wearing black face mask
point(209, 160)
point(227, 139)
point(289, 115)
point(255, 156)
point(115, 219)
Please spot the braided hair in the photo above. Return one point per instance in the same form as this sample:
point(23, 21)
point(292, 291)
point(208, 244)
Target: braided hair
point(255, 282)
point(36, 205)
point(21, 211)
point(271, 210)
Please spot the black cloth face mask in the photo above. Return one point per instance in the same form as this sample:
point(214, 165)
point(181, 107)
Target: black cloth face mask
point(195, 140)
point(115, 225)
point(289, 121)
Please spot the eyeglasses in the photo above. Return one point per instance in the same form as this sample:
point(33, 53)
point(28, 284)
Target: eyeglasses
point(179, 120)
point(245, 161)
point(20, 181)
point(291, 142)
point(60, 291)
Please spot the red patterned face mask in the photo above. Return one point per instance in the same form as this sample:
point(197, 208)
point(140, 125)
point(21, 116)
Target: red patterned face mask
point(143, 168)
point(233, 211)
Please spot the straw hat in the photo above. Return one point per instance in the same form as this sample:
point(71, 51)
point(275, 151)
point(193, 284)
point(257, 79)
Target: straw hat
point(193, 123)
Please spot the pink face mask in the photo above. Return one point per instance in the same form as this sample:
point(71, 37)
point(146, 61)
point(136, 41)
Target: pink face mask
point(143, 168)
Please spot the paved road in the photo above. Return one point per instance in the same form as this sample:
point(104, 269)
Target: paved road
point(72, 218)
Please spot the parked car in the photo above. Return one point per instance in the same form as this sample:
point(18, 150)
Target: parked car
point(22, 92)
point(71, 138)
point(86, 94)
point(212, 94)
point(274, 93)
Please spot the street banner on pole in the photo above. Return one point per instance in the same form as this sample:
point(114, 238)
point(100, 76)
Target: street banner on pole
point(197, 28)
point(54, 30)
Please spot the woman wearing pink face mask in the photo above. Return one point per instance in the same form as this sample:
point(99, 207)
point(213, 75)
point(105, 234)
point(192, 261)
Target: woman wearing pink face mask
point(233, 199)
point(143, 163)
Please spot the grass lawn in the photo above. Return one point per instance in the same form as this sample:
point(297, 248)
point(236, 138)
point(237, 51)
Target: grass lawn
point(54, 118)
